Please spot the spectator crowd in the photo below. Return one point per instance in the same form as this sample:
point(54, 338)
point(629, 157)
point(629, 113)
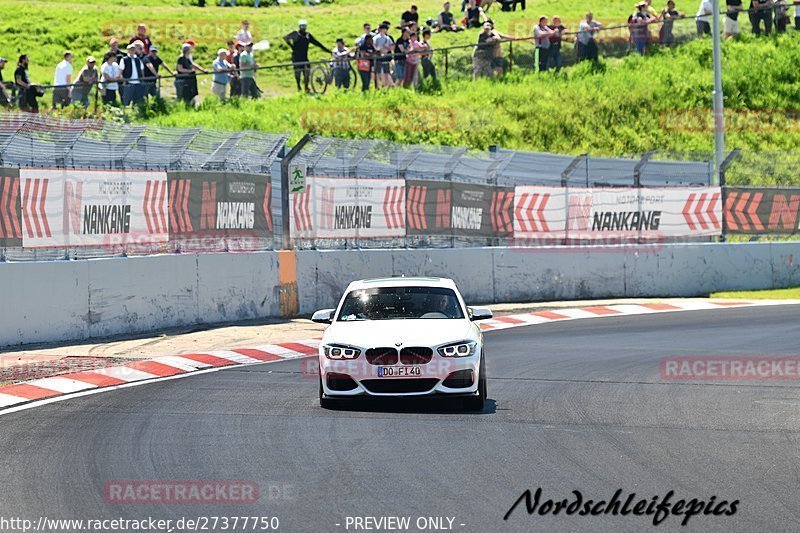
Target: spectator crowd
point(133, 73)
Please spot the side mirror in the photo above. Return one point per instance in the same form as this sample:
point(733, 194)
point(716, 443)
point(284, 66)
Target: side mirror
point(479, 313)
point(323, 316)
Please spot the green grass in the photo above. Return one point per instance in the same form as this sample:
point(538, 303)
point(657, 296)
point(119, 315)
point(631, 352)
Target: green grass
point(624, 106)
point(774, 294)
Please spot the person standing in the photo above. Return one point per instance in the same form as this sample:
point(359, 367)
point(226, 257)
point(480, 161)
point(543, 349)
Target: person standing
point(133, 74)
point(483, 53)
point(27, 95)
point(142, 37)
point(426, 57)
point(86, 79)
point(703, 20)
point(341, 65)
point(299, 41)
point(244, 36)
point(558, 30)
point(222, 70)
point(412, 60)
point(186, 81)
point(587, 38)
point(384, 45)
point(542, 34)
point(62, 80)
point(400, 49)
point(640, 32)
point(236, 89)
point(154, 63)
point(365, 63)
point(5, 98)
point(733, 7)
point(760, 10)
point(247, 72)
point(111, 75)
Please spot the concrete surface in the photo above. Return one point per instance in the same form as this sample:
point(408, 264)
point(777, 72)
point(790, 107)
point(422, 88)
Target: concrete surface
point(572, 406)
point(77, 300)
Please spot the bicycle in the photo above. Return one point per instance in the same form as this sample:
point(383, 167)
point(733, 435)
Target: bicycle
point(322, 75)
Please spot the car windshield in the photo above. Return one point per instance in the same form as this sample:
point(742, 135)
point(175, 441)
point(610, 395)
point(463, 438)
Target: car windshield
point(389, 303)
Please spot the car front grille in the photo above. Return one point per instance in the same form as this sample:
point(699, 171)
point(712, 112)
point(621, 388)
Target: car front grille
point(382, 356)
point(417, 355)
point(399, 385)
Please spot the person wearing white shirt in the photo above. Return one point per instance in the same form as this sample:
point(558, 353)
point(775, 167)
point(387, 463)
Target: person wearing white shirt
point(703, 20)
point(111, 76)
point(62, 93)
point(244, 35)
point(587, 42)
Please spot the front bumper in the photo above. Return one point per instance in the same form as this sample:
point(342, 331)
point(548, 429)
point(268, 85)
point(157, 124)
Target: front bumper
point(442, 376)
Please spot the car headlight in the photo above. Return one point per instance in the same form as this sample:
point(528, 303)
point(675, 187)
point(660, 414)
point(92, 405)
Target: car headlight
point(340, 351)
point(458, 349)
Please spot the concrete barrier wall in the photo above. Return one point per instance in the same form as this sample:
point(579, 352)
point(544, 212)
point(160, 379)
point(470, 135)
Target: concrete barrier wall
point(73, 300)
point(493, 275)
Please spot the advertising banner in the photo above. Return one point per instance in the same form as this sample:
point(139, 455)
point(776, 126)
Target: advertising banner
point(347, 208)
point(759, 211)
point(10, 209)
point(64, 207)
point(458, 209)
point(220, 204)
point(621, 214)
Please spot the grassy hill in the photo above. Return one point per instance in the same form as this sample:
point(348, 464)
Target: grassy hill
point(625, 105)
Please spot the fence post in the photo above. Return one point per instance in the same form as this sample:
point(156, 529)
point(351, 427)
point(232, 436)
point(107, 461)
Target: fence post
point(510, 55)
point(446, 61)
point(286, 241)
point(96, 97)
point(723, 168)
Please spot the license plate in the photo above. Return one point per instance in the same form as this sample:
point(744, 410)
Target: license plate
point(399, 371)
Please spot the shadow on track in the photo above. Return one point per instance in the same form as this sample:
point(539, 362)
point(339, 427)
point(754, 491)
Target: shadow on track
point(411, 405)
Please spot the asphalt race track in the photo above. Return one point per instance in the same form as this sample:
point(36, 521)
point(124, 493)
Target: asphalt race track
point(578, 405)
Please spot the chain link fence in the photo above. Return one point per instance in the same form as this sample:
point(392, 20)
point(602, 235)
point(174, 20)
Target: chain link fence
point(30, 141)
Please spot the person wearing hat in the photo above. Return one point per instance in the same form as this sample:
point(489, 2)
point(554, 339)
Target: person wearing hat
point(299, 41)
point(221, 69)
point(153, 63)
point(5, 98)
point(87, 78)
point(247, 72)
point(640, 31)
point(133, 72)
point(62, 81)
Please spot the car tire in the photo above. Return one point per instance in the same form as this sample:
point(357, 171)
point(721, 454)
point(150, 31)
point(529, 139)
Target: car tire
point(476, 403)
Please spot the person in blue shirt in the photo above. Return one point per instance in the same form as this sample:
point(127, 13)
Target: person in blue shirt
point(222, 70)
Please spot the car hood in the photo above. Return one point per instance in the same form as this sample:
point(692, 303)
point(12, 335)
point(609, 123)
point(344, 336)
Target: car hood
point(422, 332)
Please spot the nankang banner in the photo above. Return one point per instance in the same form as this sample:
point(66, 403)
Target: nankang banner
point(458, 209)
point(63, 207)
point(220, 204)
point(346, 208)
point(10, 208)
point(762, 210)
point(586, 214)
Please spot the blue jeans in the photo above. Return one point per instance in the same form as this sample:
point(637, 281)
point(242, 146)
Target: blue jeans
point(341, 77)
point(399, 70)
point(555, 57)
point(640, 46)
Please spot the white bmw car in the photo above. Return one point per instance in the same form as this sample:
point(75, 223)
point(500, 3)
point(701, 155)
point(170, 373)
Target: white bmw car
point(402, 337)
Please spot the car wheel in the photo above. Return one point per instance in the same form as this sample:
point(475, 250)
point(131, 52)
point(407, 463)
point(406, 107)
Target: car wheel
point(476, 403)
